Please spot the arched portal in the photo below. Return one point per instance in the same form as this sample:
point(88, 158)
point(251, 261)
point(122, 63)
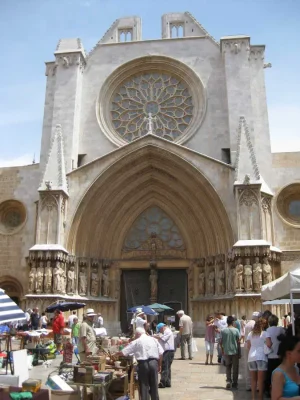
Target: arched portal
point(149, 178)
point(12, 288)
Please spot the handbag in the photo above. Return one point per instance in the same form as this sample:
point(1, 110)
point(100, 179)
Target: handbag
point(267, 350)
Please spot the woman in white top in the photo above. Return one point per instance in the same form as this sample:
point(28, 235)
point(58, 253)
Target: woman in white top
point(44, 321)
point(272, 342)
point(257, 360)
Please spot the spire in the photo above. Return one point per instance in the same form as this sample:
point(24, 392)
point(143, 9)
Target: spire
point(246, 168)
point(54, 177)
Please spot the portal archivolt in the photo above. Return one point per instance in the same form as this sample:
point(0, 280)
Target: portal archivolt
point(150, 177)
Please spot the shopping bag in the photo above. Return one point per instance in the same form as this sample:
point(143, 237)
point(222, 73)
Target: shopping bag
point(194, 346)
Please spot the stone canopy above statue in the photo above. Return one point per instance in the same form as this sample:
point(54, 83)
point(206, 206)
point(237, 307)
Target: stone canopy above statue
point(153, 235)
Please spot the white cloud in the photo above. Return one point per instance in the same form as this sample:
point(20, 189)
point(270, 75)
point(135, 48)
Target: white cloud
point(284, 127)
point(25, 159)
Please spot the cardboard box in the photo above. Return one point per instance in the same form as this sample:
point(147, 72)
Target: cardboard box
point(56, 383)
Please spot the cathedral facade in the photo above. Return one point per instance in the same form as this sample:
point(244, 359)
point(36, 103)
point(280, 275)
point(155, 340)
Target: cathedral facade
point(156, 181)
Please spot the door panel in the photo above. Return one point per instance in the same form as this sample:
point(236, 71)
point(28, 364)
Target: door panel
point(135, 292)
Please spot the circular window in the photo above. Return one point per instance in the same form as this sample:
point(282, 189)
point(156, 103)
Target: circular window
point(12, 216)
point(154, 95)
point(288, 204)
point(152, 102)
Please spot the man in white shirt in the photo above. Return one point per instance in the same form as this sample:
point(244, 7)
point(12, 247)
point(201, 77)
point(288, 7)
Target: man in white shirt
point(100, 321)
point(166, 340)
point(148, 353)
point(248, 328)
point(71, 319)
point(221, 323)
point(186, 333)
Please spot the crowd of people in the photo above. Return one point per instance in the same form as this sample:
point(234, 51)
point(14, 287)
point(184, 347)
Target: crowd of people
point(270, 352)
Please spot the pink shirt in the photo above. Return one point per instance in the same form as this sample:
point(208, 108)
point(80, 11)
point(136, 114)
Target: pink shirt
point(210, 333)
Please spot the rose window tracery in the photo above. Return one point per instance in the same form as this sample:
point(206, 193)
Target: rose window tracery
point(161, 97)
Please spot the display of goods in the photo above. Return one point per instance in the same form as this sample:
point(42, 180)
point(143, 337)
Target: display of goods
point(31, 385)
point(83, 373)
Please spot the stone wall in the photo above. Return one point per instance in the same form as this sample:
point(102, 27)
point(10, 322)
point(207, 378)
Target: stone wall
point(19, 189)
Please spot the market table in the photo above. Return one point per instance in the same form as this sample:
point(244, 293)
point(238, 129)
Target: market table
point(99, 389)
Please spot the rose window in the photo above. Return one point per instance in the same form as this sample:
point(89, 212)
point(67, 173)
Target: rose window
point(152, 102)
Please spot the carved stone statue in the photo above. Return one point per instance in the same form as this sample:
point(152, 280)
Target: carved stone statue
point(63, 280)
point(257, 275)
point(71, 280)
point(40, 277)
point(221, 281)
point(56, 277)
point(153, 283)
point(211, 282)
point(105, 283)
point(48, 278)
point(201, 282)
point(82, 282)
point(239, 275)
point(230, 284)
point(266, 271)
point(95, 283)
point(248, 276)
point(32, 279)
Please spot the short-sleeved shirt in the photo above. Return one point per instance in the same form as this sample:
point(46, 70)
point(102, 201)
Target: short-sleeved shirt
point(76, 329)
point(256, 352)
point(210, 333)
point(187, 325)
point(139, 322)
point(87, 331)
point(273, 332)
point(237, 325)
point(230, 338)
point(143, 348)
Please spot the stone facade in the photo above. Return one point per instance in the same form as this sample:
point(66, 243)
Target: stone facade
point(154, 155)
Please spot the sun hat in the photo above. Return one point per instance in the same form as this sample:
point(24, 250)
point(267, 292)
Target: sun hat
point(159, 326)
point(90, 312)
point(140, 313)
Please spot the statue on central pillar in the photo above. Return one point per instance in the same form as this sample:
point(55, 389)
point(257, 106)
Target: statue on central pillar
point(153, 285)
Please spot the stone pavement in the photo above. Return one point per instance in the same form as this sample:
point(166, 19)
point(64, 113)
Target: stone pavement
point(191, 379)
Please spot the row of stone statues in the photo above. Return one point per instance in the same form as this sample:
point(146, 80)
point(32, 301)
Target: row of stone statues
point(62, 279)
point(240, 278)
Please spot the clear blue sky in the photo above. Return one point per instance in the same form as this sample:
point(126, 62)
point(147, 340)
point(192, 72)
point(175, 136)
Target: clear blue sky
point(30, 30)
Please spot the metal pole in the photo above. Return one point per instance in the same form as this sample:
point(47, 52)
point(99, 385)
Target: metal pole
point(292, 313)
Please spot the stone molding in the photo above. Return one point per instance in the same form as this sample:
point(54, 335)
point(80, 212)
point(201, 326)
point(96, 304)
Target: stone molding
point(290, 256)
point(257, 52)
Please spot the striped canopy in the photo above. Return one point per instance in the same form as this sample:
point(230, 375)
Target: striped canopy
point(9, 311)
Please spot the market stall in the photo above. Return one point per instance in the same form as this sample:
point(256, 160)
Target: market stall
point(287, 287)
